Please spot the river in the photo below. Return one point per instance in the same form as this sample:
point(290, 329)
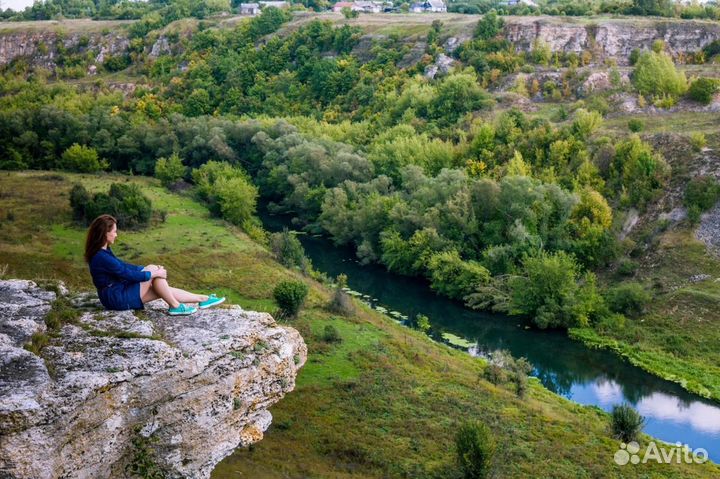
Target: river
point(566, 367)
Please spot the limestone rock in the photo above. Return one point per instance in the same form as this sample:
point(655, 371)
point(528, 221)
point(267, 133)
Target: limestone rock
point(190, 389)
point(442, 66)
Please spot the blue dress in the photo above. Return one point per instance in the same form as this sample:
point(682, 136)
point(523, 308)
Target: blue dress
point(117, 282)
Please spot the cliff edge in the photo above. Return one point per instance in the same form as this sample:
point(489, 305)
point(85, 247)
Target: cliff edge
point(106, 393)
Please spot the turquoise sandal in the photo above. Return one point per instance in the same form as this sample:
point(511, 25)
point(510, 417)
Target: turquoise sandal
point(210, 302)
point(182, 310)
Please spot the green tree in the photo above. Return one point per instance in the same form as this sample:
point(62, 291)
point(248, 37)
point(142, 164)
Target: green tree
point(453, 277)
point(489, 26)
point(237, 198)
point(170, 170)
point(655, 74)
point(552, 291)
point(638, 171)
point(82, 159)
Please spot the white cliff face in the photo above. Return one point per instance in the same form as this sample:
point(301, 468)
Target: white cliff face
point(610, 38)
point(115, 389)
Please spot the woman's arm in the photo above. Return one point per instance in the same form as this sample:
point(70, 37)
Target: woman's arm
point(125, 271)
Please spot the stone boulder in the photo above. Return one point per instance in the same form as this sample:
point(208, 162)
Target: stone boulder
point(113, 391)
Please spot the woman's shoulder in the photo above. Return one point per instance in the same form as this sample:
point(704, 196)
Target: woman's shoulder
point(100, 255)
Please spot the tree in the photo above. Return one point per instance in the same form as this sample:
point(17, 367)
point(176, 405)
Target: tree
point(553, 293)
point(237, 198)
point(586, 122)
point(638, 170)
point(475, 449)
point(655, 74)
point(170, 170)
point(489, 26)
point(453, 277)
point(82, 159)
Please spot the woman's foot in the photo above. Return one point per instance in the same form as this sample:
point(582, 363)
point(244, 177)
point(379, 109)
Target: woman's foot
point(210, 302)
point(182, 310)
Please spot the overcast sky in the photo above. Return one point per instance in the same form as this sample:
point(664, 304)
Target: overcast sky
point(16, 5)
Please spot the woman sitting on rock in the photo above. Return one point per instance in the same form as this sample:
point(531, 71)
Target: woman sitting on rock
point(122, 286)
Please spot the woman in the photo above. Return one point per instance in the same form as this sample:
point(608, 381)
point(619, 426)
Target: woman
point(122, 286)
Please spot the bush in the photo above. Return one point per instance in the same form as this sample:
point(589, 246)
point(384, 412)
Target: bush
point(698, 141)
point(125, 202)
point(638, 170)
point(82, 159)
point(626, 422)
point(475, 448)
point(628, 298)
point(702, 90)
point(170, 170)
point(655, 74)
point(288, 250)
point(636, 125)
point(701, 194)
point(290, 296)
point(331, 334)
point(79, 199)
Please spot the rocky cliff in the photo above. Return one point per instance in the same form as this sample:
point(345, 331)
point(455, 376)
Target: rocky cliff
point(610, 38)
point(116, 392)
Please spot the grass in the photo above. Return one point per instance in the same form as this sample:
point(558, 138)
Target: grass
point(679, 336)
point(384, 401)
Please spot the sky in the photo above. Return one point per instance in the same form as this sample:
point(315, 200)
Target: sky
point(16, 5)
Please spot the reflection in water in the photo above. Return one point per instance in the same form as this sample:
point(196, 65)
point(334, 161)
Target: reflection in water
point(566, 367)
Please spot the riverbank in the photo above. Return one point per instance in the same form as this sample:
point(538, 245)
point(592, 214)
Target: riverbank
point(383, 402)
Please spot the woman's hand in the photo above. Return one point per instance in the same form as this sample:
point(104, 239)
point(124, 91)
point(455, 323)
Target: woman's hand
point(156, 271)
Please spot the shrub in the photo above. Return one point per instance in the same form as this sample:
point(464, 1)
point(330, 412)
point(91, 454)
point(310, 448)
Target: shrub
point(634, 56)
point(655, 74)
point(82, 159)
point(475, 448)
point(626, 267)
point(79, 199)
point(290, 296)
point(586, 122)
point(422, 323)
point(626, 422)
point(125, 202)
point(703, 89)
point(701, 194)
point(628, 298)
point(331, 334)
point(170, 170)
point(288, 250)
point(698, 141)
point(494, 373)
point(636, 125)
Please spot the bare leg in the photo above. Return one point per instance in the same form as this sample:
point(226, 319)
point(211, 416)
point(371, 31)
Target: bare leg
point(158, 288)
point(187, 297)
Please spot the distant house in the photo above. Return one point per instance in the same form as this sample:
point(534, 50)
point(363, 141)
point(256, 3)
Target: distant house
point(340, 5)
point(431, 6)
point(264, 4)
point(518, 3)
point(249, 9)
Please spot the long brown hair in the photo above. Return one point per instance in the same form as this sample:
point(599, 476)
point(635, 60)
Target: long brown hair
point(97, 235)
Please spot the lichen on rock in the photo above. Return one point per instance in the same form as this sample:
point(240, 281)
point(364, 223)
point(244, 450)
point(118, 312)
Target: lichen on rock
point(191, 389)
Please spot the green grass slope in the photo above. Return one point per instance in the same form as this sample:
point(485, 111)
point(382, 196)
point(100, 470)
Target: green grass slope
point(384, 402)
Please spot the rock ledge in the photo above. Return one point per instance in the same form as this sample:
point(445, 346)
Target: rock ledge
point(111, 386)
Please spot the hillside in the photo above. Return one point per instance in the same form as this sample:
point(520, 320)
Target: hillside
point(561, 170)
point(384, 401)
